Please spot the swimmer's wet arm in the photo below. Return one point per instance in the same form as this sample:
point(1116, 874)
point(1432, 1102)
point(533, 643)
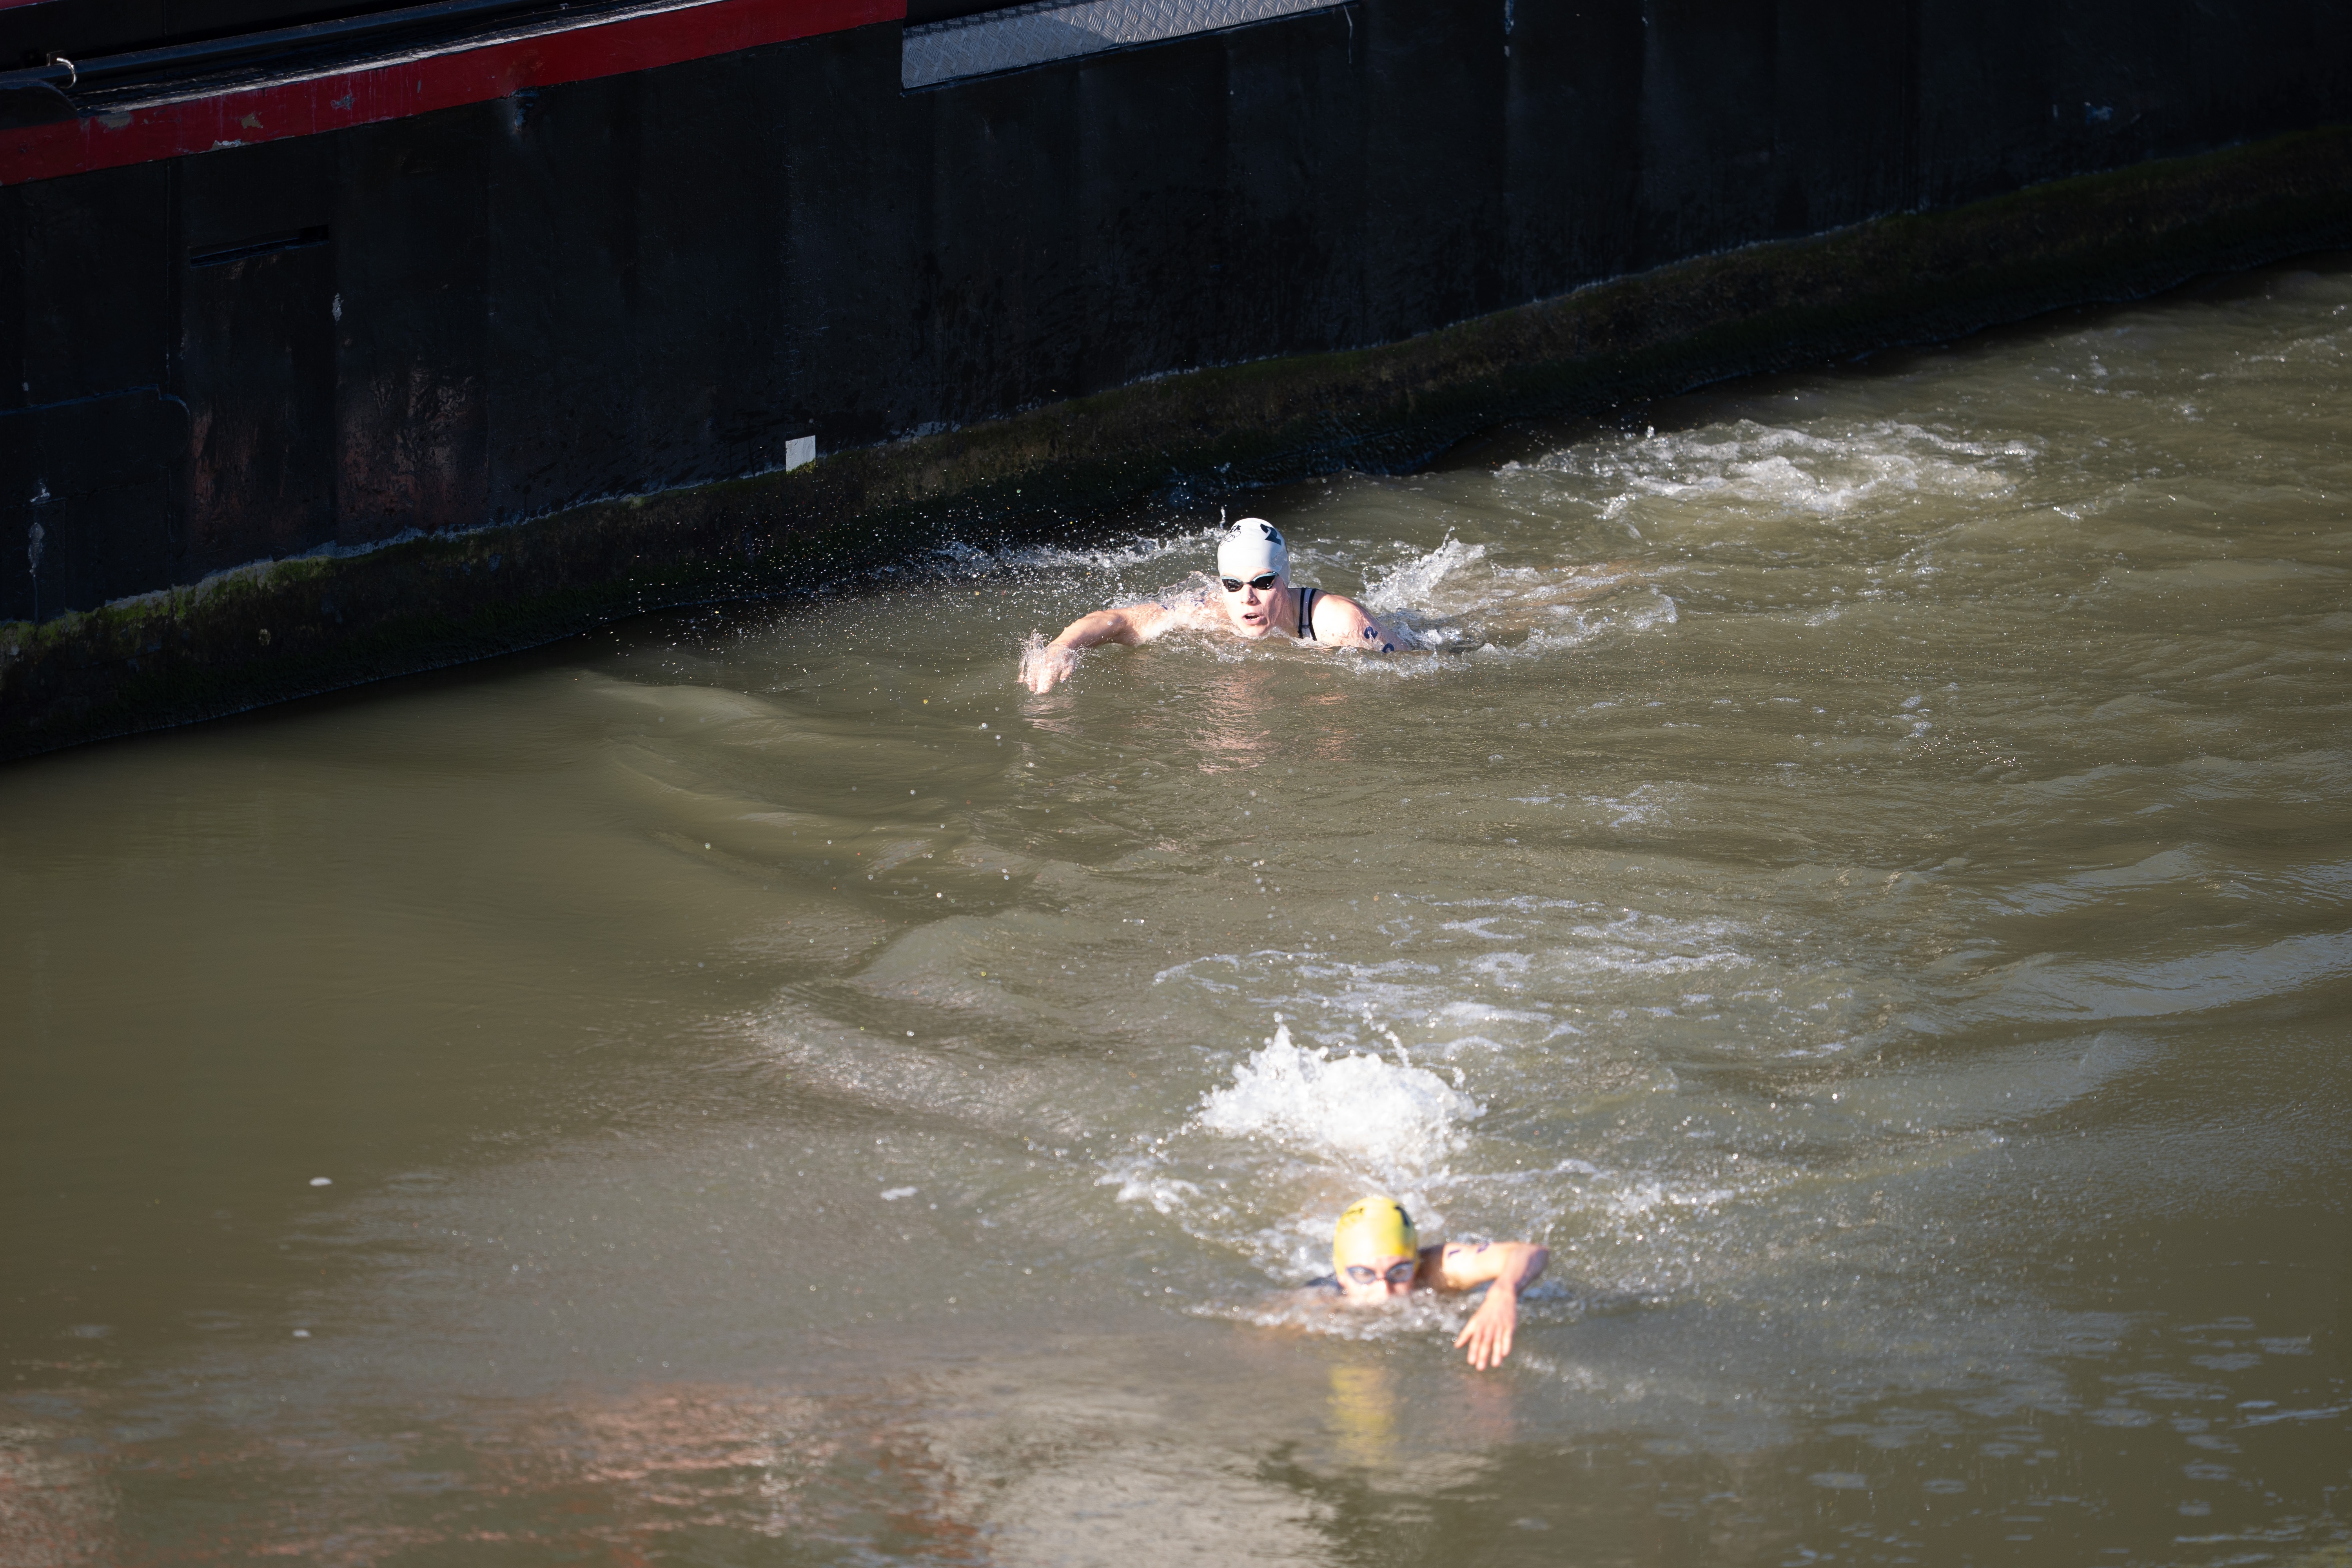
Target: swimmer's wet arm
point(1339, 619)
point(1126, 624)
point(1507, 1268)
point(1466, 1265)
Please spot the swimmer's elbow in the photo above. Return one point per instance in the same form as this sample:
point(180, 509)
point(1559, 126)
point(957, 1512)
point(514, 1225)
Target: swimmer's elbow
point(1094, 628)
point(1117, 624)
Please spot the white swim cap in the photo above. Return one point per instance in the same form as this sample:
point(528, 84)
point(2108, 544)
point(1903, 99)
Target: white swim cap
point(1251, 549)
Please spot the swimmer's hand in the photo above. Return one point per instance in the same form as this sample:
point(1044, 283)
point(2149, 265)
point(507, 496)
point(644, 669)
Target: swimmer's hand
point(1044, 666)
point(1488, 1331)
point(1505, 1267)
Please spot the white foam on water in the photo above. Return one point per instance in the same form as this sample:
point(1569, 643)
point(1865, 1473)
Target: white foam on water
point(1478, 927)
point(1826, 471)
point(1359, 1110)
point(1467, 1013)
point(1464, 635)
point(1637, 944)
point(1507, 969)
point(1140, 1182)
point(1409, 583)
point(1642, 809)
point(1274, 958)
point(1314, 1313)
point(1575, 625)
point(1639, 1199)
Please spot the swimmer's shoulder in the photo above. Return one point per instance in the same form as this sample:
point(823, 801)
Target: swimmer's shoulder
point(1342, 622)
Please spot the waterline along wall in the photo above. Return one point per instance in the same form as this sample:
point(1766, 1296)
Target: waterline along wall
point(339, 347)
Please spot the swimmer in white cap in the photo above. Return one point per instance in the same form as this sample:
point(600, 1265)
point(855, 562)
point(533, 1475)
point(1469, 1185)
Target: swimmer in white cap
point(1376, 1256)
point(1256, 598)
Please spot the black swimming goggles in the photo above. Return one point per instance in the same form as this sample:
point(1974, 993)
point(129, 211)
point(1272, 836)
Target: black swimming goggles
point(1398, 1273)
point(1263, 583)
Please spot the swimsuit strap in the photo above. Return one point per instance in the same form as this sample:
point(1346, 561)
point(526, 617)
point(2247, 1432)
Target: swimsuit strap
point(1307, 597)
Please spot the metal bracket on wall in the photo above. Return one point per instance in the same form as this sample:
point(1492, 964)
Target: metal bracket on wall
point(937, 53)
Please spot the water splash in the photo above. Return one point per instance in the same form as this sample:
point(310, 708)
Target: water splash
point(968, 560)
point(1040, 658)
point(1407, 585)
point(1357, 1109)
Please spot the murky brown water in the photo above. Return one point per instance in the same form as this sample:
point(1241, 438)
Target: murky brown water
point(1862, 873)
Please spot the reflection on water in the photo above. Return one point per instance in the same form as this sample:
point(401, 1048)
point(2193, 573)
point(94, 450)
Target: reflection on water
point(1856, 863)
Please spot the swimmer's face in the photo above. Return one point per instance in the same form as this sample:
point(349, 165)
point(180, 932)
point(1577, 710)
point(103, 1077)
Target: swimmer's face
point(1378, 1277)
point(1249, 608)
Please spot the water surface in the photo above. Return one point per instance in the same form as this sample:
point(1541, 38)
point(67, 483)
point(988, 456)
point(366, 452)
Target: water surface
point(1858, 864)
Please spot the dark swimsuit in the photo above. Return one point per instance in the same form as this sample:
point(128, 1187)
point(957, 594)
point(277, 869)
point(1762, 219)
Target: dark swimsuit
point(1307, 597)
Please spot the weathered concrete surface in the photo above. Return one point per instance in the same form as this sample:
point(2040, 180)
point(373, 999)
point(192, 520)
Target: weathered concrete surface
point(314, 624)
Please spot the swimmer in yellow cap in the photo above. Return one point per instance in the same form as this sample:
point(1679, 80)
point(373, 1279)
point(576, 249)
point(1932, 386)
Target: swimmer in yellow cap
point(1376, 1255)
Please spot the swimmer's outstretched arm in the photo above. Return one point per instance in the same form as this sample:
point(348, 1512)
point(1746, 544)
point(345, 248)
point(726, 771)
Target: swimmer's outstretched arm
point(1507, 1268)
point(1128, 624)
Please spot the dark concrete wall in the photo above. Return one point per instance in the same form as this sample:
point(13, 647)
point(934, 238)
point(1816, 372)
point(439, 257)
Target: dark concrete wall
point(314, 622)
point(638, 282)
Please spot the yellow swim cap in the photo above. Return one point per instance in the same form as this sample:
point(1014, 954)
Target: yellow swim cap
point(1373, 1228)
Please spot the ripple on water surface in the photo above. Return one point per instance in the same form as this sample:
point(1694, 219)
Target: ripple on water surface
point(1856, 863)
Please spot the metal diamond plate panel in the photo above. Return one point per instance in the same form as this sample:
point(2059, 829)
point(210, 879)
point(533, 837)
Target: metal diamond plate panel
point(1061, 30)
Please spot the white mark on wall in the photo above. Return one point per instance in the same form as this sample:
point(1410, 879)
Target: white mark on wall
point(798, 450)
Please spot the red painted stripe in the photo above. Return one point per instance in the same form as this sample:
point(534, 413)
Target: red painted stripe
point(364, 96)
